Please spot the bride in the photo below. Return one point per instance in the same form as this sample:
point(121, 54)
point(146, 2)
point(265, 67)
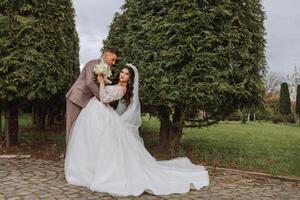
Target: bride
point(106, 154)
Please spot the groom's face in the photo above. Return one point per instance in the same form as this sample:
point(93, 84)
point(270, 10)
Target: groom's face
point(109, 58)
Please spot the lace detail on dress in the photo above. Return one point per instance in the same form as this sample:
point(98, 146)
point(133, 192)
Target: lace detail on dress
point(110, 93)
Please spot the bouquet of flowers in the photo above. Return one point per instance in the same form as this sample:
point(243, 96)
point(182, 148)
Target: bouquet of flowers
point(103, 68)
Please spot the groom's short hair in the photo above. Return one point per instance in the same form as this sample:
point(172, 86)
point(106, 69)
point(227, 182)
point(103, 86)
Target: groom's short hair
point(111, 50)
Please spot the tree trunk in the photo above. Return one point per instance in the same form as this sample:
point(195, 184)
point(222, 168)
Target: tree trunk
point(11, 125)
point(254, 117)
point(164, 127)
point(226, 118)
point(33, 115)
point(169, 138)
point(50, 117)
point(164, 133)
point(284, 119)
point(171, 132)
point(41, 115)
point(0, 122)
point(248, 117)
point(41, 118)
point(174, 140)
point(243, 118)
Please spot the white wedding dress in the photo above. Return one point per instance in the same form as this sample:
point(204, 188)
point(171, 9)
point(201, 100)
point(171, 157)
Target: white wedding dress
point(106, 154)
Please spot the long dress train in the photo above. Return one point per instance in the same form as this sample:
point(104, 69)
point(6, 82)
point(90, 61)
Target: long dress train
point(104, 155)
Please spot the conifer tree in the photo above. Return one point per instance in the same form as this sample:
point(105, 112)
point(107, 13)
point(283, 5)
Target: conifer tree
point(198, 60)
point(39, 54)
point(298, 103)
point(284, 101)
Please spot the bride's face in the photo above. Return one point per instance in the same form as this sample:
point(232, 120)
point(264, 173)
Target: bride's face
point(124, 75)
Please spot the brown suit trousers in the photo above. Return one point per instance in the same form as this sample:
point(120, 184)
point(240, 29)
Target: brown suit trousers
point(73, 111)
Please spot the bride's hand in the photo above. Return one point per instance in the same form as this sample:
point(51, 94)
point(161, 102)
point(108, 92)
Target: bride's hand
point(100, 78)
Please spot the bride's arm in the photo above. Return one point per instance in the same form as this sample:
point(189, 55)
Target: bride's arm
point(107, 96)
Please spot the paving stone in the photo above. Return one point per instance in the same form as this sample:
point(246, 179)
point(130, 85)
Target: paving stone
point(44, 179)
point(14, 198)
point(30, 197)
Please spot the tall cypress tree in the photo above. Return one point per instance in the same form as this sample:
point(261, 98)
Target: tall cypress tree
point(61, 48)
point(298, 103)
point(284, 101)
point(39, 54)
point(198, 60)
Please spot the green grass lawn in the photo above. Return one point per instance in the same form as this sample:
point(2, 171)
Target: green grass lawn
point(264, 147)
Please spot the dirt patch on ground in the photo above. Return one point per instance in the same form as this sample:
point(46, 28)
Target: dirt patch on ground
point(39, 143)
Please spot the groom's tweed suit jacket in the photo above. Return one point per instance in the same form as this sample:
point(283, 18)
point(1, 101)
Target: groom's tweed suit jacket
point(85, 87)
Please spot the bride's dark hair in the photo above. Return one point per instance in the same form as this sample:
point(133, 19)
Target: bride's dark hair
point(129, 88)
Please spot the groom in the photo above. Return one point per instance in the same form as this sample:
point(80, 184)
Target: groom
point(84, 88)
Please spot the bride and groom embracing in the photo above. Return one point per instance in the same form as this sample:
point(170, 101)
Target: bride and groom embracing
point(104, 150)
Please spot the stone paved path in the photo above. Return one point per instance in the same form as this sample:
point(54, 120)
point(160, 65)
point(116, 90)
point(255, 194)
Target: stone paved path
point(41, 179)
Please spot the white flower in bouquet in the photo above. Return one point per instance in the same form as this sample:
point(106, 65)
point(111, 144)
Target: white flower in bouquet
point(103, 68)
